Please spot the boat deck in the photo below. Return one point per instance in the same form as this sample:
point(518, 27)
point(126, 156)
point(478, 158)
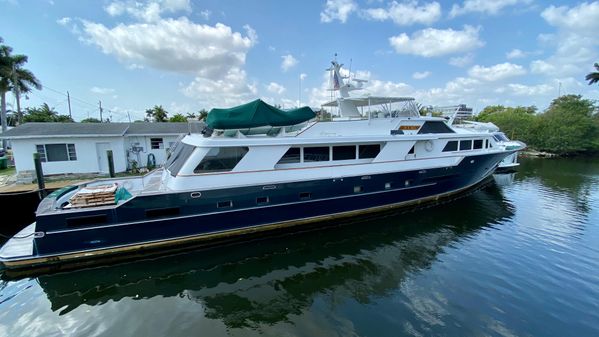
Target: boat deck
point(19, 245)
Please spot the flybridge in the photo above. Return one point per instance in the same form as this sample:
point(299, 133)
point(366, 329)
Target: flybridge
point(365, 106)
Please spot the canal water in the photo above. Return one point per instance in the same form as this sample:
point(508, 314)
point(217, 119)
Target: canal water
point(519, 257)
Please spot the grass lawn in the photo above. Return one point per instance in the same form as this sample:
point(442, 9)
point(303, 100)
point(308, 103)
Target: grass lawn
point(8, 172)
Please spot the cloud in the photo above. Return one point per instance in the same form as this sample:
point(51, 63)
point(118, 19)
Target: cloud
point(421, 75)
point(149, 11)
point(530, 90)
point(497, 72)
point(275, 88)
point(101, 91)
point(461, 61)
point(214, 55)
point(288, 62)
point(303, 76)
point(491, 7)
point(406, 13)
point(229, 90)
point(583, 18)
point(205, 14)
point(575, 43)
point(515, 54)
point(176, 45)
point(64, 21)
point(431, 42)
point(337, 10)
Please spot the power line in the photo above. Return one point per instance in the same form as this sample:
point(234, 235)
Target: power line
point(81, 101)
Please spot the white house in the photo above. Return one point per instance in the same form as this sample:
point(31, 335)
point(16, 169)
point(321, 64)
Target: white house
point(81, 147)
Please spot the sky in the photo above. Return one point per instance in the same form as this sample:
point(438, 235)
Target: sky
point(191, 55)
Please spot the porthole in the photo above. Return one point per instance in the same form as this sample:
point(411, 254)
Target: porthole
point(195, 194)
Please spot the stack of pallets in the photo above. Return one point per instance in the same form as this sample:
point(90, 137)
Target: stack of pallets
point(94, 196)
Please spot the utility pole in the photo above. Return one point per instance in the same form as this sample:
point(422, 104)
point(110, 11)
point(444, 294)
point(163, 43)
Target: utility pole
point(69, 100)
point(559, 90)
point(100, 103)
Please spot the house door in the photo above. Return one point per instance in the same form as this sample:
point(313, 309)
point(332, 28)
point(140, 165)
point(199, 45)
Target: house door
point(101, 149)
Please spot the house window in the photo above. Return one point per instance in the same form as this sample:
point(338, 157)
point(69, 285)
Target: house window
point(221, 159)
point(344, 152)
point(56, 152)
point(291, 156)
point(451, 145)
point(369, 151)
point(316, 154)
point(42, 151)
point(156, 143)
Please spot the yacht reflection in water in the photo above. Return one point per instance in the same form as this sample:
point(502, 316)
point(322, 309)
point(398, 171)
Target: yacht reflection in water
point(266, 281)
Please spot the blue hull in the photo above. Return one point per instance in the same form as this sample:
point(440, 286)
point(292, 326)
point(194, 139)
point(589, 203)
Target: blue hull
point(174, 218)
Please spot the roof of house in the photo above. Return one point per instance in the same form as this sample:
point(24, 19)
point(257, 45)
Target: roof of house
point(50, 130)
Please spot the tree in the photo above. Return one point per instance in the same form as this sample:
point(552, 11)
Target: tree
point(91, 120)
point(191, 115)
point(178, 118)
point(157, 114)
point(594, 76)
point(4, 84)
point(202, 114)
point(516, 122)
point(45, 114)
point(569, 126)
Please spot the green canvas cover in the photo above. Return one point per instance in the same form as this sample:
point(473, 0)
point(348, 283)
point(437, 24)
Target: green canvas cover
point(254, 114)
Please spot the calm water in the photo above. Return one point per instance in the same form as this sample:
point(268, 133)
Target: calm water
point(517, 258)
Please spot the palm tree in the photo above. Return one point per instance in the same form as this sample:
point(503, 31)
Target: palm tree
point(594, 76)
point(14, 77)
point(157, 113)
point(22, 81)
point(4, 84)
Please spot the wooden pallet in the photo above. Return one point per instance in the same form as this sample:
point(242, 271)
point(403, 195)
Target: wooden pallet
point(94, 196)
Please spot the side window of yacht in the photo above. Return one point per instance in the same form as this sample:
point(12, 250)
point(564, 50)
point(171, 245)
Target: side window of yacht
point(221, 159)
point(178, 158)
point(369, 151)
point(435, 127)
point(451, 145)
point(312, 154)
point(478, 144)
point(465, 145)
point(291, 156)
point(344, 152)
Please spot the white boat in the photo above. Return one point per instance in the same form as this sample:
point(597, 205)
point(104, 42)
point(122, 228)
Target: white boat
point(510, 162)
point(258, 168)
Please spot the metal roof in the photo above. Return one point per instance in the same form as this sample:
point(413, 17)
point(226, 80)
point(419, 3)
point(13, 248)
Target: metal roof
point(51, 130)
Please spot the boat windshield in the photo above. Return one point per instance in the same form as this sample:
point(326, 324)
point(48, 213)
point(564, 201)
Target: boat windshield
point(500, 137)
point(178, 157)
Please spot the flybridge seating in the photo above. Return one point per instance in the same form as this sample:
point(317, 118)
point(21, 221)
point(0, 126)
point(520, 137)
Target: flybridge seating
point(368, 107)
point(271, 131)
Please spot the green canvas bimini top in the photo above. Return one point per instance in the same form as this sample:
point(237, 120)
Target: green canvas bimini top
point(254, 114)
